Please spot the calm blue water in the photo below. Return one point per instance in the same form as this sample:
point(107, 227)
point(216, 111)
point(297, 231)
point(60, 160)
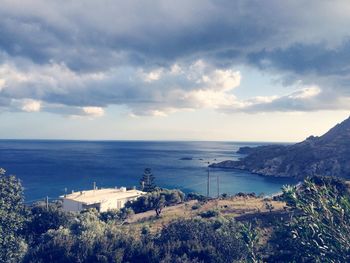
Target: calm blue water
point(46, 168)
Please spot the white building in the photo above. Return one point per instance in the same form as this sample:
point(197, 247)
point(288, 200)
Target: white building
point(101, 199)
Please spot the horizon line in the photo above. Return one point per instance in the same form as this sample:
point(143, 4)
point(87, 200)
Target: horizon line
point(141, 140)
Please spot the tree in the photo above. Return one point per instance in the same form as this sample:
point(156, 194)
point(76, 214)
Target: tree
point(44, 218)
point(12, 218)
point(147, 181)
point(156, 200)
point(116, 214)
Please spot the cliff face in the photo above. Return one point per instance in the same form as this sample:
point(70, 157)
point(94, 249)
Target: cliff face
point(325, 155)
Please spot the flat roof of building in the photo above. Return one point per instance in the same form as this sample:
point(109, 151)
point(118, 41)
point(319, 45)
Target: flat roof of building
point(102, 195)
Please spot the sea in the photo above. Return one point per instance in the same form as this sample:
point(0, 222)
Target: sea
point(51, 168)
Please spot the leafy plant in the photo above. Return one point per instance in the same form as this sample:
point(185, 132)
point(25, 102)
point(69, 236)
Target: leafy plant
point(319, 226)
point(250, 236)
point(269, 206)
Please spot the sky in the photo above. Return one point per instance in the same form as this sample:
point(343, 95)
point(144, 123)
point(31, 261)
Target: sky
point(232, 70)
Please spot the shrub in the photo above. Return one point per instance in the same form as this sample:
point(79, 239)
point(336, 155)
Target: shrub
point(269, 206)
point(201, 241)
point(209, 214)
point(224, 195)
point(195, 196)
point(196, 206)
point(42, 219)
point(156, 200)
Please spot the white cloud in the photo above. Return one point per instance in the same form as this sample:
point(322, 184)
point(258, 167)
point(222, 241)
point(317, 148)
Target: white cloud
point(2, 83)
point(263, 99)
point(304, 99)
point(152, 75)
point(31, 105)
point(207, 98)
point(158, 92)
point(176, 69)
point(158, 113)
point(222, 80)
point(306, 93)
point(198, 85)
point(93, 111)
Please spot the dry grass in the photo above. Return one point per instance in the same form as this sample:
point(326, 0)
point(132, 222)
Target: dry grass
point(234, 207)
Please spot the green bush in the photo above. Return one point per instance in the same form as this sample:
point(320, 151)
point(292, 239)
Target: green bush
point(196, 206)
point(209, 214)
point(42, 219)
point(195, 196)
point(156, 200)
point(202, 241)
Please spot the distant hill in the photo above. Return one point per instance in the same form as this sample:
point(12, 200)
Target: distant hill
point(325, 155)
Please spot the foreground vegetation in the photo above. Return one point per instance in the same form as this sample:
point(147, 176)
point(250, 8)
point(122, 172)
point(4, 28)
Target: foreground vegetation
point(308, 223)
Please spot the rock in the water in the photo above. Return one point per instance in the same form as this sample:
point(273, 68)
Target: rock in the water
point(186, 158)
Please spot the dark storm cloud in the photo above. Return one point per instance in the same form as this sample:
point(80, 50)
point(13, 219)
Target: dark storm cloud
point(141, 33)
point(304, 59)
point(87, 53)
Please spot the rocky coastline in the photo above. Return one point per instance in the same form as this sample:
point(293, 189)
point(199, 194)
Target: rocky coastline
point(327, 155)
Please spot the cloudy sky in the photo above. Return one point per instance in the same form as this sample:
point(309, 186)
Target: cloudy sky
point(173, 70)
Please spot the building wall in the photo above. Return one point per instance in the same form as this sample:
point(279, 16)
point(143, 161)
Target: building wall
point(115, 204)
point(108, 205)
point(96, 206)
point(70, 205)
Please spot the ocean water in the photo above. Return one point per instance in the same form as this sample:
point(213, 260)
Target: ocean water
point(50, 167)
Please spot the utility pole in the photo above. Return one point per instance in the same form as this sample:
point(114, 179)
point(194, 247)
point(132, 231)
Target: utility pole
point(94, 185)
point(218, 185)
point(208, 182)
point(47, 203)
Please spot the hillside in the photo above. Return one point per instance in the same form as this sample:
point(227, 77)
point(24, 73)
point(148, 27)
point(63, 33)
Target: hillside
point(326, 155)
point(241, 208)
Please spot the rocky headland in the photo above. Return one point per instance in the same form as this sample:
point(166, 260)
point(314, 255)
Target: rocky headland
point(325, 155)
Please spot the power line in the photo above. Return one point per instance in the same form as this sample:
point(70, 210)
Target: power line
point(40, 199)
point(218, 186)
point(188, 186)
